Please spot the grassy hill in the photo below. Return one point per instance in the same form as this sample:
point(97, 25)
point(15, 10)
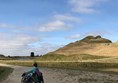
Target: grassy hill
point(89, 45)
point(89, 48)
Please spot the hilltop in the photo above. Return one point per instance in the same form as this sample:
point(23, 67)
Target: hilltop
point(89, 45)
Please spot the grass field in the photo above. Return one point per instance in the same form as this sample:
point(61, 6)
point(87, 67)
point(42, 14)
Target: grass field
point(4, 72)
point(96, 66)
point(6, 58)
point(70, 65)
point(86, 62)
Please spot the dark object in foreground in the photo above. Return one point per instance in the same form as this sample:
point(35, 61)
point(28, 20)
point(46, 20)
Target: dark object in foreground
point(31, 79)
point(26, 79)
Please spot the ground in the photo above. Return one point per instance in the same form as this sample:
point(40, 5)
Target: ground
point(63, 76)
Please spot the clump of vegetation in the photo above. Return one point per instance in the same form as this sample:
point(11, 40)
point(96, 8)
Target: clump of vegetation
point(1, 55)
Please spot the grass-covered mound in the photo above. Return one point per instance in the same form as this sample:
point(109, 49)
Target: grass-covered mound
point(89, 45)
point(4, 72)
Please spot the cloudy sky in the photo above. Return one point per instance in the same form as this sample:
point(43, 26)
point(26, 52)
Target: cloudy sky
point(45, 25)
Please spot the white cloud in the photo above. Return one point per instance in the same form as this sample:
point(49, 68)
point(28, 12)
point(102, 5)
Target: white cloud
point(15, 44)
point(76, 36)
point(19, 39)
point(25, 51)
point(16, 41)
point(13, 28)
point(85, 6)
point(59, 22)
point(53, 26)
point(67, 17)
point(96, 33)
point(5, 25)
point(22, 45)
point(47, 47)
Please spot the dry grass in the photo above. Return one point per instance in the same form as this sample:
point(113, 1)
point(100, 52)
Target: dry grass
point(92, 49)
point(85, 64)
point(88, 62)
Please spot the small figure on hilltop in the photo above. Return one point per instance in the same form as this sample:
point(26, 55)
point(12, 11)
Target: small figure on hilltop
point(33, 75)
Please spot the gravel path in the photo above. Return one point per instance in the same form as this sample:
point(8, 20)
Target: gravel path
point(63, 76)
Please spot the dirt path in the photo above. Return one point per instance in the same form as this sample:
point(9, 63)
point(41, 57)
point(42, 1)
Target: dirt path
point(63, 76)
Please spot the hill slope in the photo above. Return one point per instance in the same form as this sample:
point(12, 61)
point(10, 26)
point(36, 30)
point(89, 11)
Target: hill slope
point(90, 45)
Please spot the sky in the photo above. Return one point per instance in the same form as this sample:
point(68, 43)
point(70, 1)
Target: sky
point(42, 26)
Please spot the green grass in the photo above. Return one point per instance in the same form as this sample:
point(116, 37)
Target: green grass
point(4, 72)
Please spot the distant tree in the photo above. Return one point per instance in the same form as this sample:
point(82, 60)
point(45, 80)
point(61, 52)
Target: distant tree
point(37, 55)
point(41, 55)
point(1, 55)
point(9, 56)
point(32, 54)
